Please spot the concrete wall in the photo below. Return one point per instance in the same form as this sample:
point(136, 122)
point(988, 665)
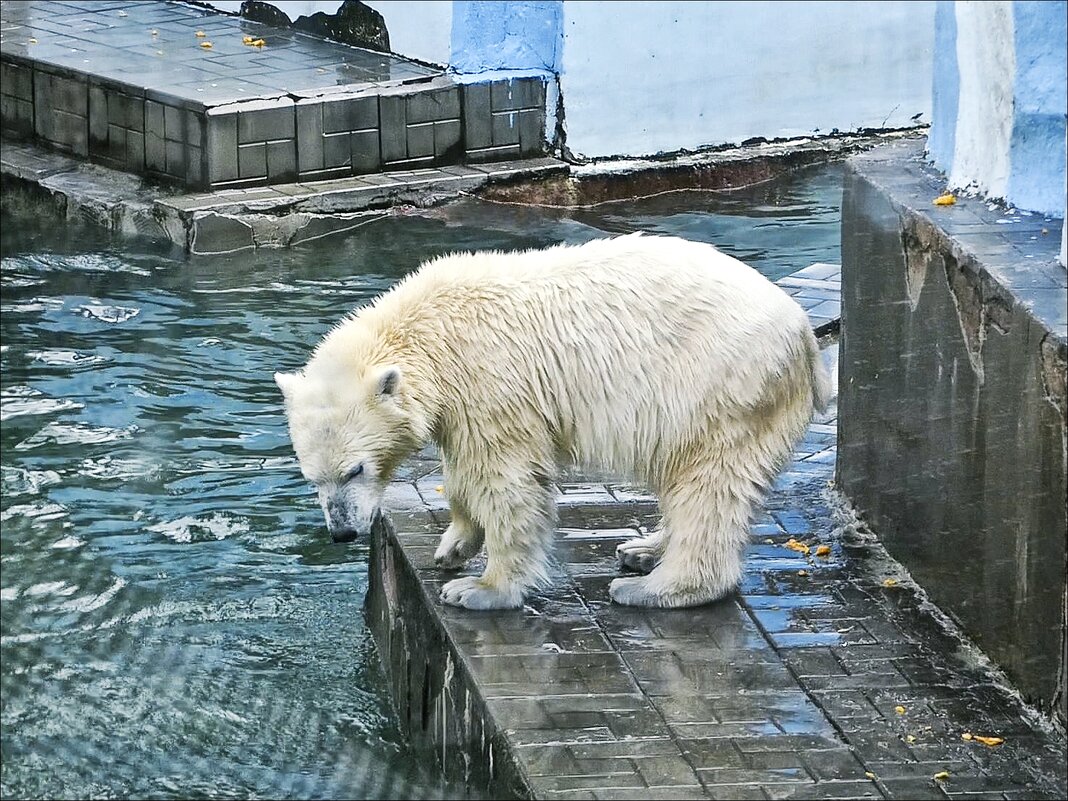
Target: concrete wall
point(952, 410)
point(643, 78)
point(1000, 99)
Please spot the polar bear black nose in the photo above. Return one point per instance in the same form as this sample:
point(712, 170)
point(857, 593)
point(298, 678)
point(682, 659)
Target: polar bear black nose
point(344, 535)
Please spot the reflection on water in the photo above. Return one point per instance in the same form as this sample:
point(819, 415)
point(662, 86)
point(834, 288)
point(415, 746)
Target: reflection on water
point(174, 621)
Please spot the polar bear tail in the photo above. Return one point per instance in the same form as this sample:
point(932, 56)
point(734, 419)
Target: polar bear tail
point(822, 382)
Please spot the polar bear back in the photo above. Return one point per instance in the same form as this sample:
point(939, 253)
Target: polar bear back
point(617, 348)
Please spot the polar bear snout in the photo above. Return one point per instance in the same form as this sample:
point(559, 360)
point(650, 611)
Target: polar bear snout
point(348, 517)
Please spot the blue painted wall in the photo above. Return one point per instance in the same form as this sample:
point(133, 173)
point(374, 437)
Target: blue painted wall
point(1025, 164)
point(520, 35)
point(1040, 101)
point(946, 88)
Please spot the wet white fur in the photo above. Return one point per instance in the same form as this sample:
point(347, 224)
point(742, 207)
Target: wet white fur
point(653, 357)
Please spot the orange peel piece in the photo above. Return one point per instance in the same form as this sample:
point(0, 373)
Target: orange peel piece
point(802, 572)
point(823, 550)
point(900, 710)
point(948, 199)
point(206, 45)
point(246, 39)
point(439, 488)
point(990, 742)
point(794, 545)
point(200, 34)
point(890, 582)
point(941, 776)
point(258, 43)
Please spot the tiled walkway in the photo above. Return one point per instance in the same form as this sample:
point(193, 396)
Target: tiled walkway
point(115, 41)
point(827, 676)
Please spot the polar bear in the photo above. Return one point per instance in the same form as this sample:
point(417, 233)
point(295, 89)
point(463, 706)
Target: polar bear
point(653, 357)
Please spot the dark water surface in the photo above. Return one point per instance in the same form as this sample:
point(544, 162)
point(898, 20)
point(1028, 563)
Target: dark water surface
point(174, 620)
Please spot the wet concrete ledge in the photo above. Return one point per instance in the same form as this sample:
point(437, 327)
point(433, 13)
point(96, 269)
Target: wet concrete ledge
point(239, 219)
point(824, 677)
point(284, 215)
point(954, 414)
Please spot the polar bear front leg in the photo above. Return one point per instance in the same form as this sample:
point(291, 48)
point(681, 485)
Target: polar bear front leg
point(517, 514)
point(462, 539)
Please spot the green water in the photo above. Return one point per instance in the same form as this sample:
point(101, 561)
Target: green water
point(175, 621)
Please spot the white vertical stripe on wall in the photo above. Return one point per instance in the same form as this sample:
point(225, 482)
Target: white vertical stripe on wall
point(986, 59)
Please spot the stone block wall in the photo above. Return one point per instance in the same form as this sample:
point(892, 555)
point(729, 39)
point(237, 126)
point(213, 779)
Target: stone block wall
point(352, 131)
point(952, 428)
point(438, 703)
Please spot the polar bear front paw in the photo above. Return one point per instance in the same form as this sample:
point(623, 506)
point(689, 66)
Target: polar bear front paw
point(641, 554)
point(471, 592)
point(455, 549)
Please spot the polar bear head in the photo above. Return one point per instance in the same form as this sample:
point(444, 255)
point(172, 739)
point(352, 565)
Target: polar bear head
point(349, 433)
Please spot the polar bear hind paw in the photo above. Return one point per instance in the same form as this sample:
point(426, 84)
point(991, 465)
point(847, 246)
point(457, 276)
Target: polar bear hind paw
point(454, 551)
point(471, 592)
point(640, 591)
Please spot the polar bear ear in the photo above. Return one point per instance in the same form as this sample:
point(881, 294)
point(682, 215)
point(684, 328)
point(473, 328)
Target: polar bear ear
point(387, 381)
point(287, 382)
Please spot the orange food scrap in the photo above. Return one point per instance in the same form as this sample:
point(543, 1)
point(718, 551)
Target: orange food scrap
point(900, 710)
point(794, 545)
point(823, 550)
point(206, 45)
point(200, 34)
point(991, 742)
point(802, 572)
point(870, 775)
point(246, 40)
point(947, 199)
point(32, 40)
point(890, 582)
point(966, 736)
point(439, 488)
point(942, 776)
point(258, 43)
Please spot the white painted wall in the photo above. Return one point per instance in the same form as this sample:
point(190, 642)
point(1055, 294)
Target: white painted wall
point(643, 78)
point(986, 60)
point(419, 29)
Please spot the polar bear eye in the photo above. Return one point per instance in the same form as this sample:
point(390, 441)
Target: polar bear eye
point(355, 472)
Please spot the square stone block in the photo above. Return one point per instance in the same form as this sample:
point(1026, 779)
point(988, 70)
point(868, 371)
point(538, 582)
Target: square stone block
point(222, 146)
point(366, 156)
point(309, 136)
point(282, 160)
point(265, 124)
point(252, 160)
point(421, 140)
point(392, 120)
point(505, 128)
point(478, 130)
point(431, 106)
point(337, 150)
point(350, 114)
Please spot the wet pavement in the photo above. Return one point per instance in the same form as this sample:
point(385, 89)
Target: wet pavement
point(156, 46)
point(829, 675)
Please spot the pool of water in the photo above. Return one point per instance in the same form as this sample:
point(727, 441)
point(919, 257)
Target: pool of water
point(175, 622)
